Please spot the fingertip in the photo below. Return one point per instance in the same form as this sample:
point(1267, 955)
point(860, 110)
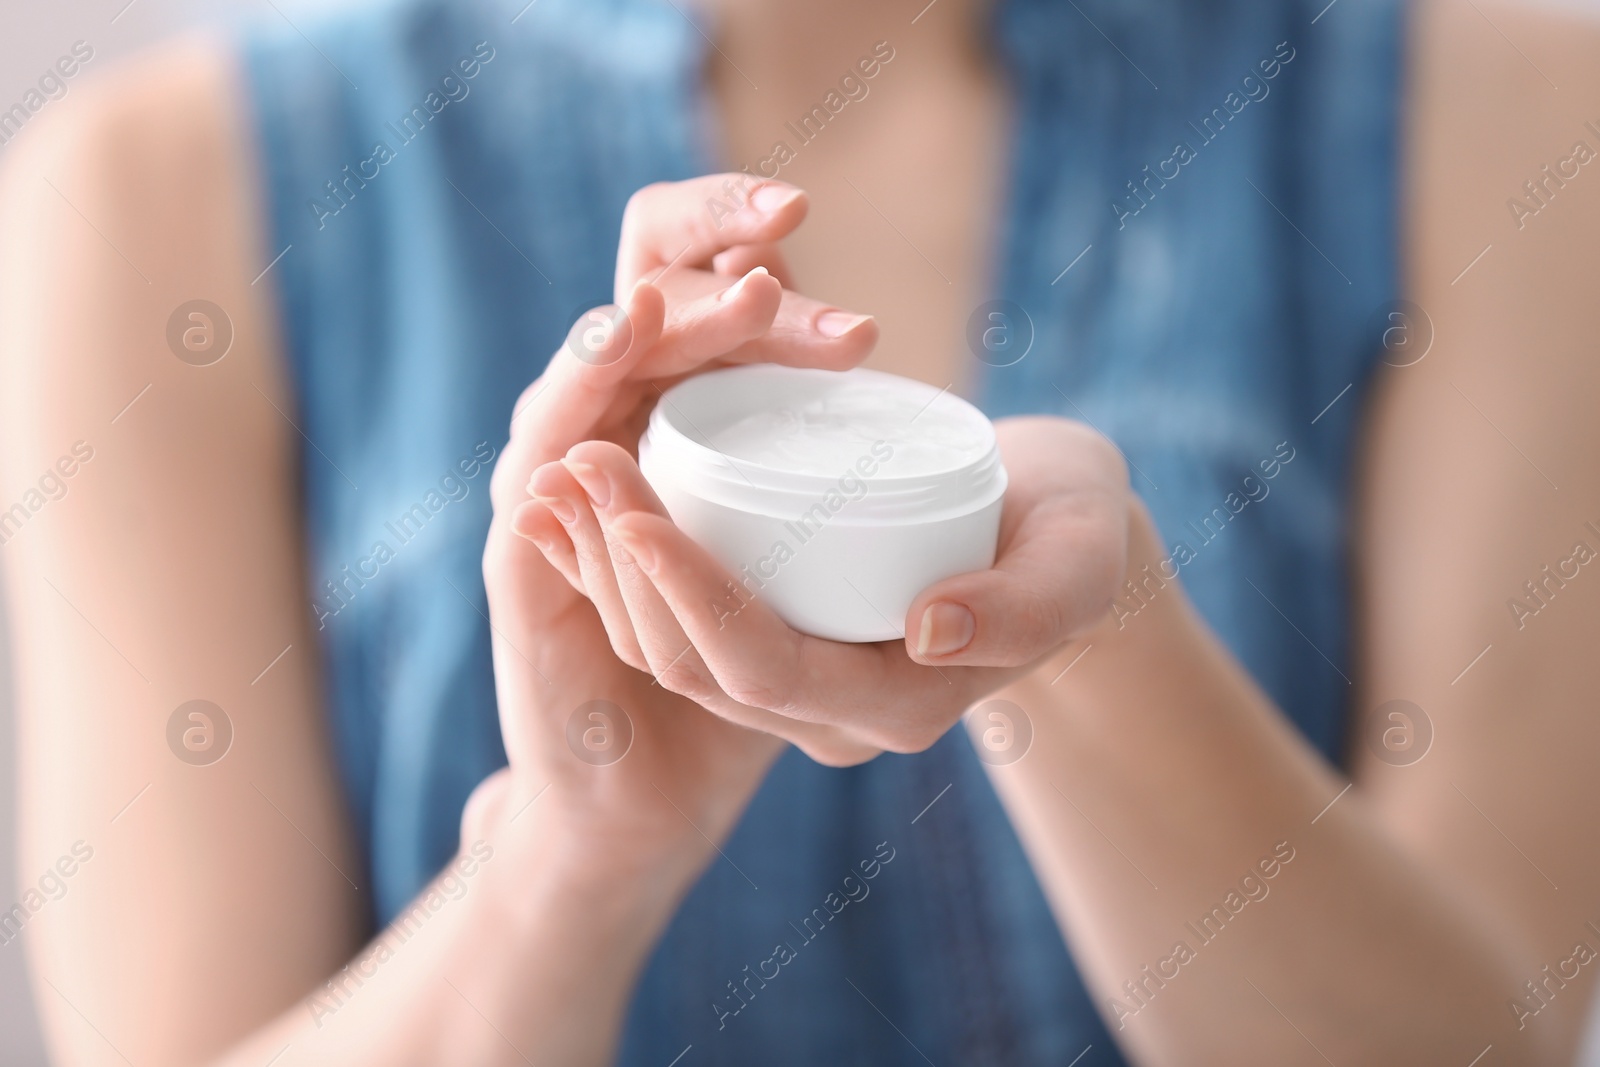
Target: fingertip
point(737, 261)
point(598, 453)
point(779, 207)
point(591, 479)
point(633, 531)
point(645, 298)
point(753, 302)
point(852, 340)
point(636, 525)
point(943, 628)
point(771, 197)
point(647, 313)
point(838, 325)
point(533, 521)
point(757, 286)
point(738, 288)
point(604, 342)
point(957, 621)
point(848, 338)
point(544, 479)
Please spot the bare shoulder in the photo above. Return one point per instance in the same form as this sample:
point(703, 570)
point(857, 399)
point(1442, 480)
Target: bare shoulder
point(1483, 456)
point(1503, 124)
point(128, 197)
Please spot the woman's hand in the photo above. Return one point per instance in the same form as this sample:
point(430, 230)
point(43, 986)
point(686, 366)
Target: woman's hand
point(638, 775)
point(1063, 550)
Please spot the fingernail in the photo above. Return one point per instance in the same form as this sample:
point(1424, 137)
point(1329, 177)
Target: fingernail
point(946, 628)
point(559, 508)
point(732, 292)
point(524, 524)
point(643, 555)
point(839, 323)
point(771, 199)
point(593, 480)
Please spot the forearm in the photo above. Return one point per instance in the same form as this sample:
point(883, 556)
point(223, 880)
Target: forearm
point(523, 951)
point(1159, 778)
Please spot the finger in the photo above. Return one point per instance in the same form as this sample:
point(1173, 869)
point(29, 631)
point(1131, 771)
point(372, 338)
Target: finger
point(534, 521)
point(661, 334)
point(753, 320)
point(688, 223)
point(486, 805)
point(875, 690)
point(616, 487)
point(701, 326)
point(1063, 553)
point(740, 260)
point(757, 321)
point(575, 391)
point(554, 485)
point(1054, 580)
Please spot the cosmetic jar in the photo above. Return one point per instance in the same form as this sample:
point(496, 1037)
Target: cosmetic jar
point(833, 497)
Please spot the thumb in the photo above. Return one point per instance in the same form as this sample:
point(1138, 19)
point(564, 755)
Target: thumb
point(1055, 580)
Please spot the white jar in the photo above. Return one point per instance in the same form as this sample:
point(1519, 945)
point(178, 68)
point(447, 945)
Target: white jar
point(834, 497)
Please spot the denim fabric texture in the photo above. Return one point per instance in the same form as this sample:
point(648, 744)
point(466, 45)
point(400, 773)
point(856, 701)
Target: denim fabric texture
point(1216, 304)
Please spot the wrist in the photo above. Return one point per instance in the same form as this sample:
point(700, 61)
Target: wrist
point(545, 936)
point(1148, 621)
point(1151, 591)
point(553, 866)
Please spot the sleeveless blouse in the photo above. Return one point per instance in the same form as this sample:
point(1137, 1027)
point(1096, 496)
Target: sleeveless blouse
point(1197, 244)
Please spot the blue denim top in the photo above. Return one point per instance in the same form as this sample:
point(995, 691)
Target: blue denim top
point(1199, 236)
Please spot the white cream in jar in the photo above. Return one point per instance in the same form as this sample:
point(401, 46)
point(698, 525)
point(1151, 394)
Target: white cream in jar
point(835, 498)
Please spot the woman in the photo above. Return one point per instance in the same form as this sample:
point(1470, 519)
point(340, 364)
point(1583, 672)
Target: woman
point(400, 828)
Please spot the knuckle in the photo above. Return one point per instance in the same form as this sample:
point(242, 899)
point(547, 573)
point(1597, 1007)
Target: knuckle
point(496, 556)
point(630, 653)
point(899, 743)
point(778, 686)
point(1098, 610)
point(755, 693)
point(781, 685)
point(599, 453)
point(524, 398)
point(908, 739)
point(1042, 620)
point(617, 555)
point(504, 491)
point(838, 751)
point(484, 804)
point(592, 557)
point(1111, 458)
point(640, 205)
point(687, 680)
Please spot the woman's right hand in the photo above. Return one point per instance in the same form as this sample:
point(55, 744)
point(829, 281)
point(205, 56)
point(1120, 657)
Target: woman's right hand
point(646, 781)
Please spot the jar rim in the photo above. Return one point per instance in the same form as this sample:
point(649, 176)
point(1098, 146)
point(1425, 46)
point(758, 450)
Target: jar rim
point(676, 447)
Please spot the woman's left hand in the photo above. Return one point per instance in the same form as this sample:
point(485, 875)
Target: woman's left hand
point(1062, 556)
